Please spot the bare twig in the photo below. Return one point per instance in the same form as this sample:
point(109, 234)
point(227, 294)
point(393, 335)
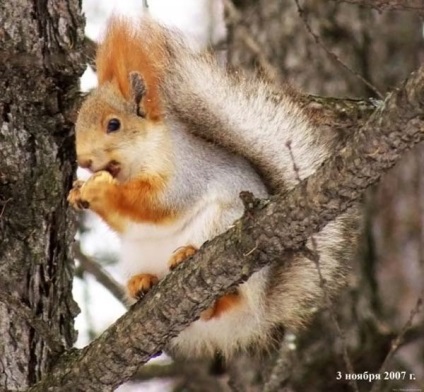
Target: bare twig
point(3, 207)
point(398, 342)
point(90, 48)
point(282, 368)
point(100, 274)
point(341, 335)
point(315, 257)
point(270, 72)
point(318, 41)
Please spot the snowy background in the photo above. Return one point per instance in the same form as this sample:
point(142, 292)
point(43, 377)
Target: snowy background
point(202, 21)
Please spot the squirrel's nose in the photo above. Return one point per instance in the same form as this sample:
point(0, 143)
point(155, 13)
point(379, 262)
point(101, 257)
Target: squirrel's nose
point(85, 163)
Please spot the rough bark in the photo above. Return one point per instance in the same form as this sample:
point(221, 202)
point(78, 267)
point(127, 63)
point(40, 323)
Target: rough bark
point(259, 238)
point(39, 69)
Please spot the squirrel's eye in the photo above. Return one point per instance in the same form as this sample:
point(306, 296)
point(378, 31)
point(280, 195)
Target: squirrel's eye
point(113, 125)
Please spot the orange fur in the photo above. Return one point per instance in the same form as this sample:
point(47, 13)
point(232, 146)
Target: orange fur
point(181, 254)
point(120, 203)
point(127, 49)
point(140, 284)
point(136, 200)
point(221, 305)
point(226, 303)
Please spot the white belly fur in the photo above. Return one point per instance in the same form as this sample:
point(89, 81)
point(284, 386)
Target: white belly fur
point(237, 328)
point(147, 248)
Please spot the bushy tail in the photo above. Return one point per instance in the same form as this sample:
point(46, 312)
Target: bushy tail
point(248, 116)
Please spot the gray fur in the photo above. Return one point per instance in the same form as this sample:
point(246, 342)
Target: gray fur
point(208, 169)
point(248, 117)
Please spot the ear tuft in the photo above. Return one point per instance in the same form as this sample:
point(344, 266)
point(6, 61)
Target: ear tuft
point(138, 88)
point(132, 59)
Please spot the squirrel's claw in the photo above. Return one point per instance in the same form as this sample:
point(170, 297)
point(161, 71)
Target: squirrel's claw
point(74, 198)
point(140, 284)
point(83, 191)
point(181, 254)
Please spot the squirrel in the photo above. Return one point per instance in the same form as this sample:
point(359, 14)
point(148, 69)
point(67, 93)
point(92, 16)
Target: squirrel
point(172, 140)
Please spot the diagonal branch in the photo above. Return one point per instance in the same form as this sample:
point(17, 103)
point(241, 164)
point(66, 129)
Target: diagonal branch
point(259, 238)
point(102, 276)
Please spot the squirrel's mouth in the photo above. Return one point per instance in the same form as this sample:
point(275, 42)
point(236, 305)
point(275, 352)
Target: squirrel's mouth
point(113, 167)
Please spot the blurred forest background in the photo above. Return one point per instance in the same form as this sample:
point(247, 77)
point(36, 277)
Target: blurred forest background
point(354, 49)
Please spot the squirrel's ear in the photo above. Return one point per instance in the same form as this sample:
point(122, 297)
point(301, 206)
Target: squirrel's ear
point(138, 89)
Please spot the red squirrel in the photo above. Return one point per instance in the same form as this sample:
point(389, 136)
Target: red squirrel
point(166, 190)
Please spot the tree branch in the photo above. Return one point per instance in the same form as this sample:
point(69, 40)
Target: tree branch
point(234, 18)
point(102, 276)
point(259, 238)
point(396, 343)
point(331, 54)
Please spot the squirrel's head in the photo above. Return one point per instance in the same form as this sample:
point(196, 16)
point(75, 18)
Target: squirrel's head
point(120, 125)
point(117, 135)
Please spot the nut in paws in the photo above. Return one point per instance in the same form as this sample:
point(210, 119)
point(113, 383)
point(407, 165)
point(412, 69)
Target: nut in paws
point(100, 177)
point(84, 194)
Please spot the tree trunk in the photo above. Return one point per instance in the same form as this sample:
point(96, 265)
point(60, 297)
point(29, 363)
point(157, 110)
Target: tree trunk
point(40, 43)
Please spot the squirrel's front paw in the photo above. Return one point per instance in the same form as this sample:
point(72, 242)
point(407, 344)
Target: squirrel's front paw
point(182, 253)
point(140, 284)
point(74, 196)
point(83, 194)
